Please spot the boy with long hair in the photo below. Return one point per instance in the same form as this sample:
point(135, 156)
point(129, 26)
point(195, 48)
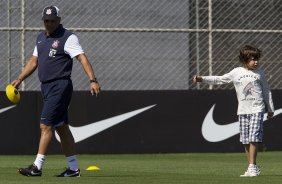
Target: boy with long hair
point(253, 93)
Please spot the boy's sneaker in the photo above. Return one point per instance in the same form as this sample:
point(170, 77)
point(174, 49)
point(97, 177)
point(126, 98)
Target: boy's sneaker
point(31, 170)
point(251, 172)
point(70, 173)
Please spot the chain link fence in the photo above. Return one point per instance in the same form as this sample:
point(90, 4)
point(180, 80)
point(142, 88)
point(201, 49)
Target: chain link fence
point(147, 44)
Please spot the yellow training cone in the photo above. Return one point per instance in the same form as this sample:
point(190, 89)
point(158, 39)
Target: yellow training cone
point(92, 168)
point(13, 94)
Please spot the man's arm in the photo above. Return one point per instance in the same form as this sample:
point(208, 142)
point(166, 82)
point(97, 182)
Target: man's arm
point(27, 71)
point(94, 85)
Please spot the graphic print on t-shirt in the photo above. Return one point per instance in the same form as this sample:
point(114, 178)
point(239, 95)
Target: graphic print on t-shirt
point(248, 89)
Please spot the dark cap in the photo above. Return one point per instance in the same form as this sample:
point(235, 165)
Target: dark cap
point(50, 13)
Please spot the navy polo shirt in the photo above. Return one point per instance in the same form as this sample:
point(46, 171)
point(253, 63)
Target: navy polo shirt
point(53, 62)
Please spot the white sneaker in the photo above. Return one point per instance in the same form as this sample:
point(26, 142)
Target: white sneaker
point(251, 172)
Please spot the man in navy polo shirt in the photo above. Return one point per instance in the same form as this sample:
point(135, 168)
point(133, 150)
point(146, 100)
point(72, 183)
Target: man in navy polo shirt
point(55, 48)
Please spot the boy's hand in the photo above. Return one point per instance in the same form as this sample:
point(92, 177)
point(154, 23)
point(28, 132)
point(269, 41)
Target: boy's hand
point(197, 79)
point(270, 115)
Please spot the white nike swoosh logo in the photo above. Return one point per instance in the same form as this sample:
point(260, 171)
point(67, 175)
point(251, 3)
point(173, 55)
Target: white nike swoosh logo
point(214, 132)
point(84, 132)
point(6, 108)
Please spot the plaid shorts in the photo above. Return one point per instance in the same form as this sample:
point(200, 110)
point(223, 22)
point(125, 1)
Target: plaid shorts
point(251, 127)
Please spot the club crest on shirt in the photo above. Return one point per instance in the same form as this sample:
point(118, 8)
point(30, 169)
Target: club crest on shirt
point(48, 11)
point(55, 44)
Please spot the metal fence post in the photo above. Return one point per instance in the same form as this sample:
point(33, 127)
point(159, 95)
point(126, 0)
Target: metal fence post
point(210, 40)
point(23, 40)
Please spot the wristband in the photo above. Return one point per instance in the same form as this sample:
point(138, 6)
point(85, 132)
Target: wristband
point(94, 80)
